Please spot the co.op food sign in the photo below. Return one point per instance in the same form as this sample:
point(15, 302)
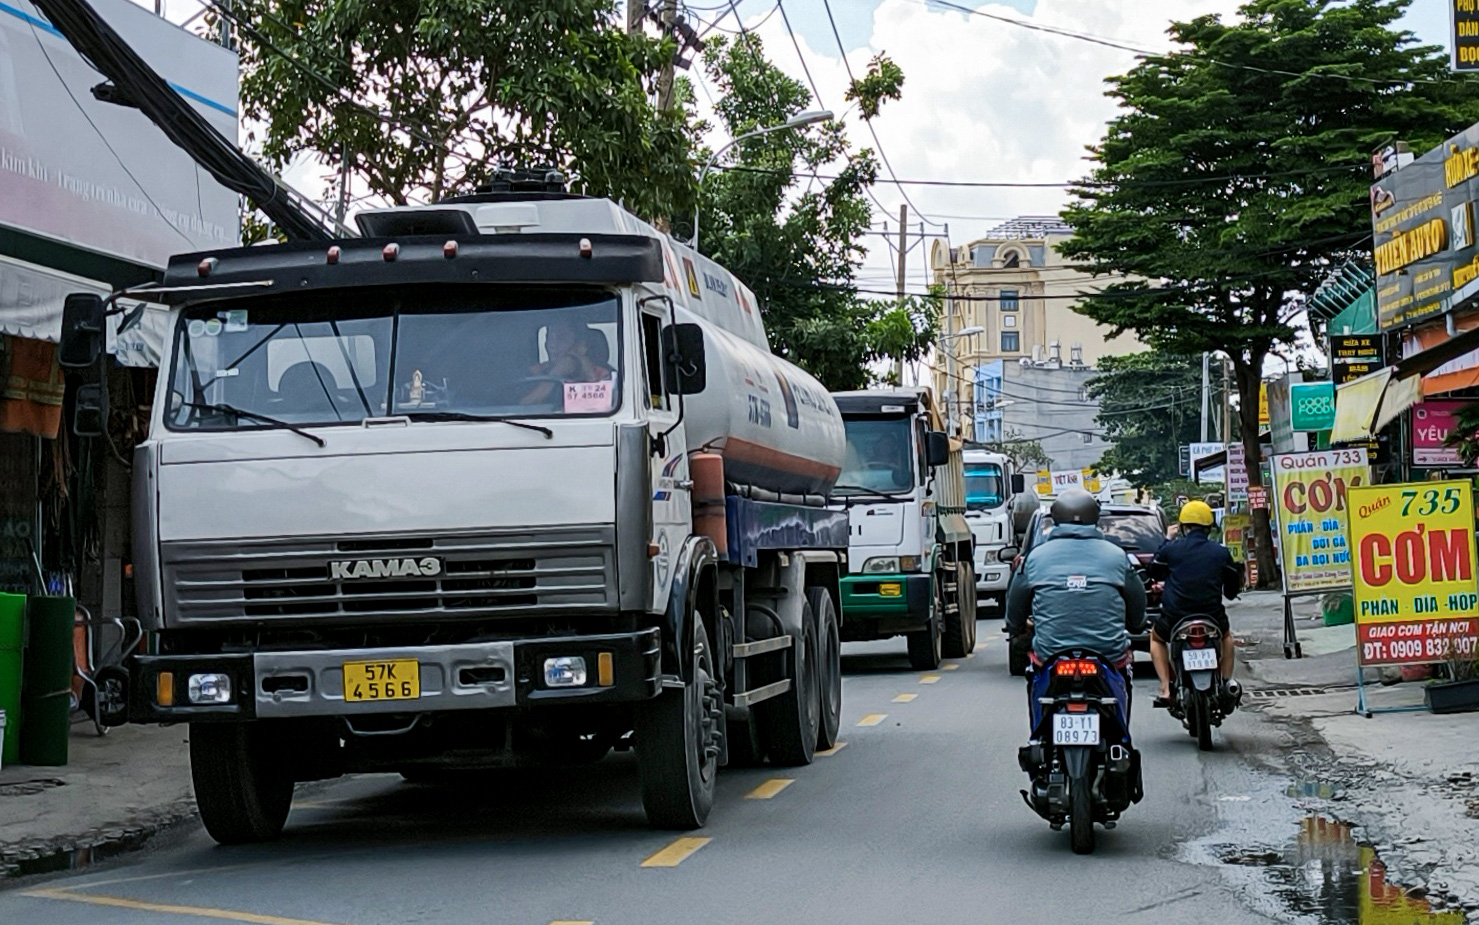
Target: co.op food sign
point(1312, 405)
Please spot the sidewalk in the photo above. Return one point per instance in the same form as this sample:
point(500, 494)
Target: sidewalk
point(1409, 781)
point(115, 792)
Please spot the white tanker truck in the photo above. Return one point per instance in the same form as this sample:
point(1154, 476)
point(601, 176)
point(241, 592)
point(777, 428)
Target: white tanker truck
point(514, 479)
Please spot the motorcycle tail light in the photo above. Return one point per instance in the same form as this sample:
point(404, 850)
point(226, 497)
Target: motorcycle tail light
point(1076, 668)
point(1078, 707)
point(1196, 637)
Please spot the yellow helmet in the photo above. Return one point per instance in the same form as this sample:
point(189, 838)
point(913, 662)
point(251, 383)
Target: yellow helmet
point(1196, 512)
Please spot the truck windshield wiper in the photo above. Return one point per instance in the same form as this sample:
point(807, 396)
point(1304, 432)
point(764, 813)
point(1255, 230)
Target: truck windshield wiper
point(870, 491)
point(223, 408)
point(464, 416)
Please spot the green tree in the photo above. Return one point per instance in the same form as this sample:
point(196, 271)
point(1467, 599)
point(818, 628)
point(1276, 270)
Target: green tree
point(1027, 455)
point(429, 99)
point(798, 241)
point(1238, 172)
point(1149, 406)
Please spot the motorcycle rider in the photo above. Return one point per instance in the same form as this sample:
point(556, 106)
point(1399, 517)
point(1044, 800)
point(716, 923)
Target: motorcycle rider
point(1080, 592)
point(1198, 572)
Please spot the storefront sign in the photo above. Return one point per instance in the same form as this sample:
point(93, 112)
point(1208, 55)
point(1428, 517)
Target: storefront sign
point(1414, 590)
point(1257, 498)
point(1310, 496)
point(1237, 473)
point(1432, 422)
point(1198, 450)
point(1312, 405)
point(1464, 15)
point(1235, 529)
point(1354, 355)
point(1060, 480)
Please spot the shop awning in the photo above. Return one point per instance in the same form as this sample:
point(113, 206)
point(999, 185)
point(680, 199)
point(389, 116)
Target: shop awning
point(1364, 406)
point(31, 299)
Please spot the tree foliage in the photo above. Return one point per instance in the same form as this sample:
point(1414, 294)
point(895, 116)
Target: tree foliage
point(1027, 455)
point(429, 99)
point(1238, 170)
point(798, 241)
point(1149, 405)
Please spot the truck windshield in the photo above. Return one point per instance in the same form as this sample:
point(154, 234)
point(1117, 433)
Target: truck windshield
point(341, 357)
point(878, 457)
point(983, 487)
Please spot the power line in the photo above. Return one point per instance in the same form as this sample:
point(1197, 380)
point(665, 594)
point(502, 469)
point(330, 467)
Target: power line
point(1085, 184)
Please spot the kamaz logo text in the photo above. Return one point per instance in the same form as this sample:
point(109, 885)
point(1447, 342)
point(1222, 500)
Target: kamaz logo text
point(385, 568)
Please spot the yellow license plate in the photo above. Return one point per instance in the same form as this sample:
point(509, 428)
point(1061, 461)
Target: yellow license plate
point(389, 679)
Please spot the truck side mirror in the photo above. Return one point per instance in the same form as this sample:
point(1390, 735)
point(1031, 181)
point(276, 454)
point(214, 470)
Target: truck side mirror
point(90, 409)
point(1019, 483)
point(685, 370)
point(936, 448)
point(83, 327)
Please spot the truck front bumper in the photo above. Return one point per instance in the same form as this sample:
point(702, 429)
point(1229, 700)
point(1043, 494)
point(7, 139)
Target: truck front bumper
point(887, 597)
point(620, 667)
point(991, 575)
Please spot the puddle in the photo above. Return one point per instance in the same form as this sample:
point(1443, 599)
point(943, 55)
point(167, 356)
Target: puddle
point(1312, 790)
point(51, 860)
point(1325, 876)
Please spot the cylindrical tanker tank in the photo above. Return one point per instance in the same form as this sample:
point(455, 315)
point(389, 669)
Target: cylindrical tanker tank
point(772, 422)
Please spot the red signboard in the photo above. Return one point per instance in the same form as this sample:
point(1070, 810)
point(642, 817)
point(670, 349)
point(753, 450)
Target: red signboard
point(1416, 642)
point(1257, 497)
point(1432, 422)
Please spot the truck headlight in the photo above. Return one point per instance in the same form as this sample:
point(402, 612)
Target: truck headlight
point(881, 565)
point(210, 687)
point(565, 671)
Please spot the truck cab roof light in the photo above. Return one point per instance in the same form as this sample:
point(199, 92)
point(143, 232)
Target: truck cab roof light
point(390, 251)
point(333, 255)
point(585, 247)
point(204, 268)
point(449, 250)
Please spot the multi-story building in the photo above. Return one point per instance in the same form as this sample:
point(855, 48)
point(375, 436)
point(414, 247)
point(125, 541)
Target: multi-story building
point(1012, 294)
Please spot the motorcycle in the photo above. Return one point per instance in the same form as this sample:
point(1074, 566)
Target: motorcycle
point(1082, 765)
point(1199, 696)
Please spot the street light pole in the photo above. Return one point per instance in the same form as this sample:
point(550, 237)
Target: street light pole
point(800, 120)
point(952, 393)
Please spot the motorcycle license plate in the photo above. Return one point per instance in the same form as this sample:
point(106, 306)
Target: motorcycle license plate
point(1075, 728)
point(1199, 659)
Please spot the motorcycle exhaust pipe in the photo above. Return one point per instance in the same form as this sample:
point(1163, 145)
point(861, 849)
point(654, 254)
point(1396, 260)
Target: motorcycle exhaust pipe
point(1119, 759)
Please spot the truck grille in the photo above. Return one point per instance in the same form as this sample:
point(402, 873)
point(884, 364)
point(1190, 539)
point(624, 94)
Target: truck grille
point(474, 575)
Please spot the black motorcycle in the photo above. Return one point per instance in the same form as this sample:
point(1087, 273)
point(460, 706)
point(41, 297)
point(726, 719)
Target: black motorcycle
point(1083, 767)
point(1199, 696)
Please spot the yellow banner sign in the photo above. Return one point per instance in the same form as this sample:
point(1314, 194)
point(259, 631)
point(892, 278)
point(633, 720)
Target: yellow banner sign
point(1310, 498)
point(1415, 595)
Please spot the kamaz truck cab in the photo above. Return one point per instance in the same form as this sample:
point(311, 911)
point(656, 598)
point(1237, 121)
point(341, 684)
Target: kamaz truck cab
point(909, 548)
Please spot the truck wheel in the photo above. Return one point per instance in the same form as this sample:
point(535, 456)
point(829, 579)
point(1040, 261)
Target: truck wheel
point(789, 724)
point(242, 788)
point(677, 738)
point(960, 626)
point(924, 645)
point(829, 668)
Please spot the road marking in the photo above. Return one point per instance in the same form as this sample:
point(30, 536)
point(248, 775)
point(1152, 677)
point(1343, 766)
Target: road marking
point(905, 698)
point(190, 872)
point(572, 922)
point(168, 909)
point(832, 751)
point(971, 654)
point(770, 788)
point(676, 853)
point(951, 666)
point(872, 719)
point(929, 679)
point(979, 647)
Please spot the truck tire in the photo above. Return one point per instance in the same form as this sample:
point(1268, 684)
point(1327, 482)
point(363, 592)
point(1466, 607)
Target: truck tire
point(960, 627)
point(829, 668)
point(925, 645)
point(789, 724)
point(243, 789)
point(677, 739)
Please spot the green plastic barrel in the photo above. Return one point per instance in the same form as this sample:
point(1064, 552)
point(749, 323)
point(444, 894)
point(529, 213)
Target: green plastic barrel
point(12, 641)
point(46, 693)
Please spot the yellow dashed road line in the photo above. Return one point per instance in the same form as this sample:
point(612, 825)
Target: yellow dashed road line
point(950, 667)
point(770, 788)
point(203, 912)
point(676, 853)
point(832, 751)
point(929, 679)
point(572, 922)
point(905, 698)
point(872, 719)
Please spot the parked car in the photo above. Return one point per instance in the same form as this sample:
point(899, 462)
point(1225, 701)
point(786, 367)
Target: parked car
point(1140, 531)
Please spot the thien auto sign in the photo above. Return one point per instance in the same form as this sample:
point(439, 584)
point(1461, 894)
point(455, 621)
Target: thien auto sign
point(1422, 217)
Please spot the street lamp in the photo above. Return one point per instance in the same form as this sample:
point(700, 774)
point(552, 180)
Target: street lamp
point(800, 120)
point(952, 398)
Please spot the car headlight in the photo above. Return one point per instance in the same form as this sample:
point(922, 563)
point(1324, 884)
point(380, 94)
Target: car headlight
point(881, 565)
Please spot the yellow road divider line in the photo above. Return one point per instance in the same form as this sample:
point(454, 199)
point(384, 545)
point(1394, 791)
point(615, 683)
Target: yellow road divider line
point(770, 788)
point(929, 679)
point(971, 654)
point(979, 647)
point(832, 751)
point(676, 853)
point(872, 719)
point(950, 667)
point(572, 922)
point(202, 912)
point(905, 698)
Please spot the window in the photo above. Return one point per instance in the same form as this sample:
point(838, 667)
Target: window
point(1088, 437)
point(652, 359)
point(879, 457)
point(1012, 260)
point(1008, 300)
point(1010, 342)
point(1009, 321)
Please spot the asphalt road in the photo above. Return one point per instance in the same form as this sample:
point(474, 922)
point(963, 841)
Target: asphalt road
point(915, 819)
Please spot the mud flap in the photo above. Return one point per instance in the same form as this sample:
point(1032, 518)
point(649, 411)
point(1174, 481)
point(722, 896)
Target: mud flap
point(1076, 760)
point(1202, 680)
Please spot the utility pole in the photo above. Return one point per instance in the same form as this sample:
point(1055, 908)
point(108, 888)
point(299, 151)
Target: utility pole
point(1226, 407)
point(636, 9)
point(903, 254)
point(665, 82)
point(1205, 396)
